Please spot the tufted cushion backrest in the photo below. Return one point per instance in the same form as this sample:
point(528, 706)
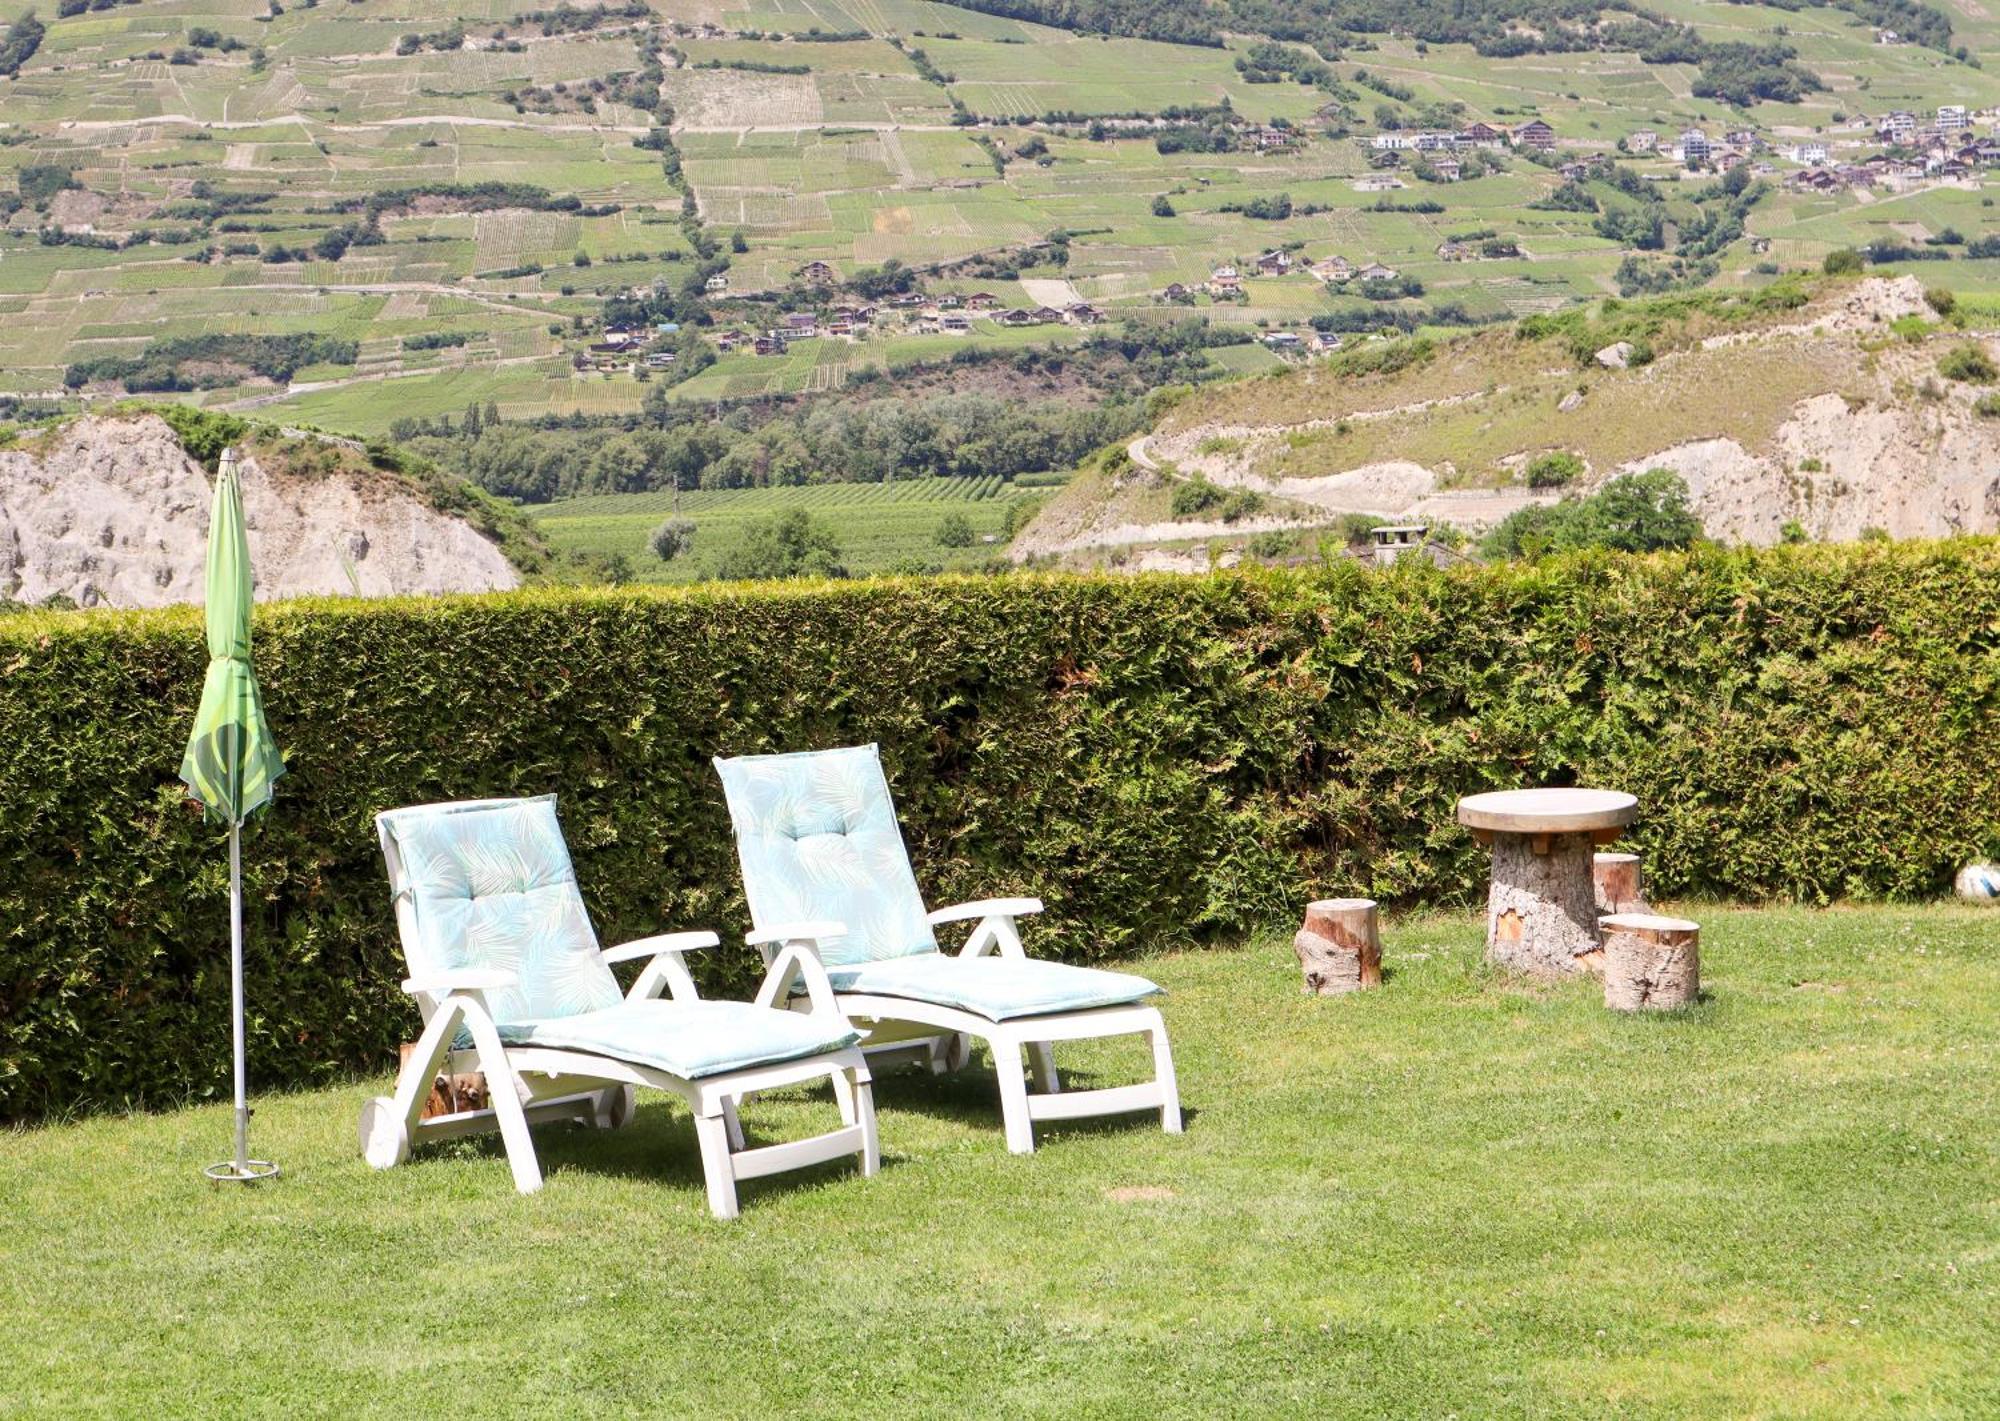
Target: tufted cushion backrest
point(488, 883)
point(817, 836)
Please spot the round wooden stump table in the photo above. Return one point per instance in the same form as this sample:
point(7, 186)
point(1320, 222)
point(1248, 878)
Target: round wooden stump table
point(1541, 912)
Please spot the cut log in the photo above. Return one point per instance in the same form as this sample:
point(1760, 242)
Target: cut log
point(1618, 886)
point(1650, 963)
point(450, 1094)
point(1339, 947)
point(1541, 912)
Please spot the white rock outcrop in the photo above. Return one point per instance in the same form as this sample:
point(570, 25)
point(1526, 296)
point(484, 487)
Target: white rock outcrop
point(113, 512)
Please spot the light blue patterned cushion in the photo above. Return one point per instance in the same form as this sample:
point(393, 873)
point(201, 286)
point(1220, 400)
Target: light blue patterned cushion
point(688, 1039)
point(997, 988)
point(817, 836)
point(490, 885)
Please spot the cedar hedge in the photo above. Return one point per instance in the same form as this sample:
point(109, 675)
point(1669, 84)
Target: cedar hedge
point(1166, 760)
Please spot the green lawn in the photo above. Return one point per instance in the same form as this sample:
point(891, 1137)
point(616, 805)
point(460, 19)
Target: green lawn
point(1455, 1195)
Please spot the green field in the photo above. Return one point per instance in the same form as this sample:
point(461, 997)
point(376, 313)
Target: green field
point(878, 526)
point(1454, 1195)
point(857, 159)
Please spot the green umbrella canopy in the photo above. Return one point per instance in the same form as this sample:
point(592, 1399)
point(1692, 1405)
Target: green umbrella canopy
point(231, 758)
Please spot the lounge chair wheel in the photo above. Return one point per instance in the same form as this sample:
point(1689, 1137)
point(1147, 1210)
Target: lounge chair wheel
point(615, 1108)
point(385, 1138)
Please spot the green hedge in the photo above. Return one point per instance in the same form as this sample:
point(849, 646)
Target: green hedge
point(1165, 760)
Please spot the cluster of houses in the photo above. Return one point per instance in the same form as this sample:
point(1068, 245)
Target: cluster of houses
point(1943, 150)
point(1534, 134)
point(1226, 282)
point(947, 314)
point(629, 349)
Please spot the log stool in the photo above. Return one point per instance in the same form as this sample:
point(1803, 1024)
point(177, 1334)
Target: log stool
point(1616, 877)
point(1541, 912)
point(1340, 948)
point(1650, 963)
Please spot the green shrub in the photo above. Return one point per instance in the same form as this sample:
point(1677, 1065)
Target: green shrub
point(1193, 496)
point(1844, 261)
point(1554, 470)
point(954, 531)
point(1988, 406)
point(1941, 299)
point(1968, 363)
point(1164, 760)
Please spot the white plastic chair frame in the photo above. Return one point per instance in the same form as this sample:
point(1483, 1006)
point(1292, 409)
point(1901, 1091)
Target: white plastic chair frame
point(942, 1035)
point(534, 1084)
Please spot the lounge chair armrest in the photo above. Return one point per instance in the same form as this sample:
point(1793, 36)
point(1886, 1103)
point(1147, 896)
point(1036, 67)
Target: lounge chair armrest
point(798, 961)
point(987, 908)
point(463, 979)
point(814, 931)
point(658, 943)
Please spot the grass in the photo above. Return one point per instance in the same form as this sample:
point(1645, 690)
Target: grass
point(1456, 1195)
point(876, 525)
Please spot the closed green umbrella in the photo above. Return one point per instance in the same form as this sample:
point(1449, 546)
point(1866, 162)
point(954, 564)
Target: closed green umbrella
point(231, 758)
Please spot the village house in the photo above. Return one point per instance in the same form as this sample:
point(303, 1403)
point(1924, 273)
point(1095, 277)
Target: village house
point(1324, 343)
point(817, 273)
point(1727, 159)
point(1811, 153)
point(1376, 271)
point(728, 341)
point(770, 345)
point(1535, 134)
point(1282, 340)
point(659, 359)
point(1335, 268)
point(1481, 135)
point(1898, 127)
point(982, 301)
point(1446, 169)
point(1574, 172)
point(716, 283)
point(1953, 118)
point(1389, 142)
point(1691, 147)
point(1433, 142)
point(1275, 263)
point(950, 301)
point(1015, 316)
point(1082, 313)
point(1225, 281)
point(1644, 141)
point(801, 325)
point(955, 323)
point(906, 300)
point(1177, 291)
point(1046, 316)
point(1378, 182)
point(1270, 139)
point(1743, 138)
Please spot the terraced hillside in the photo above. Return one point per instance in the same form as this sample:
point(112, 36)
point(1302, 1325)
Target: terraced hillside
point(455, 200)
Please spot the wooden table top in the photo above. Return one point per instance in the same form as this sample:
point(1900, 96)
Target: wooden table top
point(1547, 811)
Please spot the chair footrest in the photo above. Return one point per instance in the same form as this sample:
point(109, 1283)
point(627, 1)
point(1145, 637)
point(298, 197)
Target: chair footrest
point(1113, 1100)
point(795, 1154)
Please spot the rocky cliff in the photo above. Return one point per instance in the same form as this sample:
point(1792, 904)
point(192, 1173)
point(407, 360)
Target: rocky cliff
point(113, 512)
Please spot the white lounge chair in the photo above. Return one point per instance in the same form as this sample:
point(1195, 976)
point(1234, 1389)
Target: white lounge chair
point(510, 980)
point(825, 870)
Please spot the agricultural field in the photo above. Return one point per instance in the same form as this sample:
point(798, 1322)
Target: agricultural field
point(180, 172)
point(878, 527)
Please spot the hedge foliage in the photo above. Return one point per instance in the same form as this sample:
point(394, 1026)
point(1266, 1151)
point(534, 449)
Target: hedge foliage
point(1165, 760)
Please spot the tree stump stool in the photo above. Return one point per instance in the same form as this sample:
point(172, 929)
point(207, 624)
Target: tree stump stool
point(1339, 948)
point(1541, 911)
point(1616, 877)
point(1619, 888)
point(1650, 963)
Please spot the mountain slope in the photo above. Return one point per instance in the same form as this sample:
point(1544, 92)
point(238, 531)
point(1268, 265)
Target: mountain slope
point(1821, 406)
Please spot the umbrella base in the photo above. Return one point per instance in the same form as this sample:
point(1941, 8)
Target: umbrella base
point(249, 1172)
